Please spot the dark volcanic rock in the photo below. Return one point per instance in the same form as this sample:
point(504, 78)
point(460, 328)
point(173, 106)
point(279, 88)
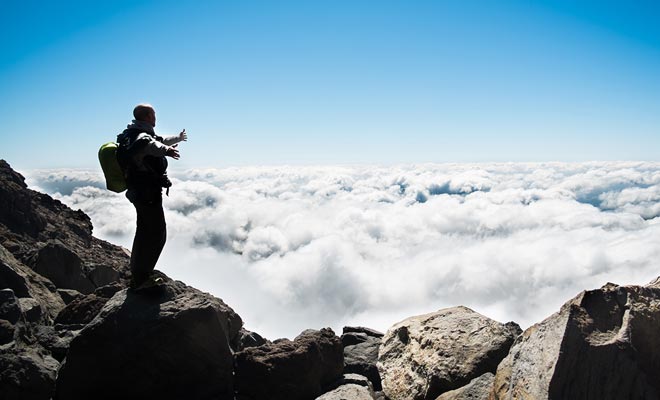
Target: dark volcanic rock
point(68, 295)
point(289, 370)
point(171, 342)
point(248, 339)
point(82, 310)
point(603, 344)
point(26, 283)
point(26, 374)
point(17, 211)
point(45, 234)
point(7, 331)
point(361, 353)
point(9, 308)
point(62, 266)
point(427, 355)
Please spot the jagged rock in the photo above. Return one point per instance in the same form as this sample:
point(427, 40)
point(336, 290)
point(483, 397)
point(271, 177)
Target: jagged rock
point(26, 374)
point(352, 338)
point(7, 331)
point(362, 329)
point(289, 370)
point(361, 353)
point(170, 342)
point(109, 290)
point(16, 209)
point(425, 356)
point(31, 309)
point(10, 310)
point(62, 266)
point(29, 219)
point(102, 275)
point(603, 344)
point(68, 295)
point(55, 339)
point(26, 283)
point(478, 389)
point(81, 311)
point(248, 339)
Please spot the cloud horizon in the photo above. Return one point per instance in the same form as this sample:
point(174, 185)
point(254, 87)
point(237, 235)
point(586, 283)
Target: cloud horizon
point(291, 248)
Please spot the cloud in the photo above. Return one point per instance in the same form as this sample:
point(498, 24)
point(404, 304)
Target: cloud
point(305, 247)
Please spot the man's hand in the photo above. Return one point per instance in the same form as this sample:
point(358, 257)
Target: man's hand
point(173, 152)
point(183, 136)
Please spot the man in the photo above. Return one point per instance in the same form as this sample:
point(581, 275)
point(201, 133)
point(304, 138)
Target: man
point(142, 156)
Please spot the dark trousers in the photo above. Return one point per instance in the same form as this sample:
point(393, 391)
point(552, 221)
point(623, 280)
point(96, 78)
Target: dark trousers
point(149, 240)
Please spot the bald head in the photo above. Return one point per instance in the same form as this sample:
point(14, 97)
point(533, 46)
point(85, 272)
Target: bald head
point(145, 112)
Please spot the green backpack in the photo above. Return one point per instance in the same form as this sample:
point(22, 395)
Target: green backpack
point(114, 176)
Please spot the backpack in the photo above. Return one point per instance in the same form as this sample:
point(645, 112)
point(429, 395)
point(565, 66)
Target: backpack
point(114, 174)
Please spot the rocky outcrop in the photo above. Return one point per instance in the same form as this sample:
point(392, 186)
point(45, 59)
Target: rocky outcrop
point(170, 342)
point(289, 370)
point(425, 356)
point(361, 353)
point(603, 344)
point(54, 240)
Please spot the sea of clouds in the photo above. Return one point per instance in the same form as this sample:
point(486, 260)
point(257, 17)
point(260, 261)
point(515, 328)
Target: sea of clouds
point(291, 248)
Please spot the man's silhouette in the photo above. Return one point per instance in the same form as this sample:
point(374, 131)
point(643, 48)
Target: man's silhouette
point(145, 169)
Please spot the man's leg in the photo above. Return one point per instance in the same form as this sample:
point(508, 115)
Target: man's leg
point(150, 236)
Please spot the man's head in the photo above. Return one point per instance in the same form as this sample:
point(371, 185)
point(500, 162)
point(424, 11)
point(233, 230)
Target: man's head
point(145, 112)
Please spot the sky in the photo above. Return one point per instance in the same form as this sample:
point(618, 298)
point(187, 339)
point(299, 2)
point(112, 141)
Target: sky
point(291, 248)
point(333, 82)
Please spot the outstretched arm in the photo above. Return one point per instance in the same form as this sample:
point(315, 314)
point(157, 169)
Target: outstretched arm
point(181, 137)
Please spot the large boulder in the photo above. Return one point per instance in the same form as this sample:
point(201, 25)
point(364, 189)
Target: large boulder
point(166, 342)
point(289, 370)
point(603, 344)
point(361, 353)
point(427, 355)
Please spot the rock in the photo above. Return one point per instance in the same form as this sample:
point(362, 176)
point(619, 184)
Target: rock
point(248, 339)
point(81, 311)
point(102, 275)
point(10, 310)
point(109, 290)
point(291, 370)
point(7, 331)
point(31, 309)
point(62, 266)
point(349, 392)
point(603, 344)
point(361, 358)
point(361, 329)
point(16, 208)
point(26, 374)
point(68, 295)
point(353, 338)
point(478, 389)
point(26, 283)
point(29, 219)
point(54, 339)
point(168, 343)
point(425, 356)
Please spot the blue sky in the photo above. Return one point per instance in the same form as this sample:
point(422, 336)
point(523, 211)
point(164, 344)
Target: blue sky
point(333, 82)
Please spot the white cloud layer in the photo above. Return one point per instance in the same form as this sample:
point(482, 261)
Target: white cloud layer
point(292, 248)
